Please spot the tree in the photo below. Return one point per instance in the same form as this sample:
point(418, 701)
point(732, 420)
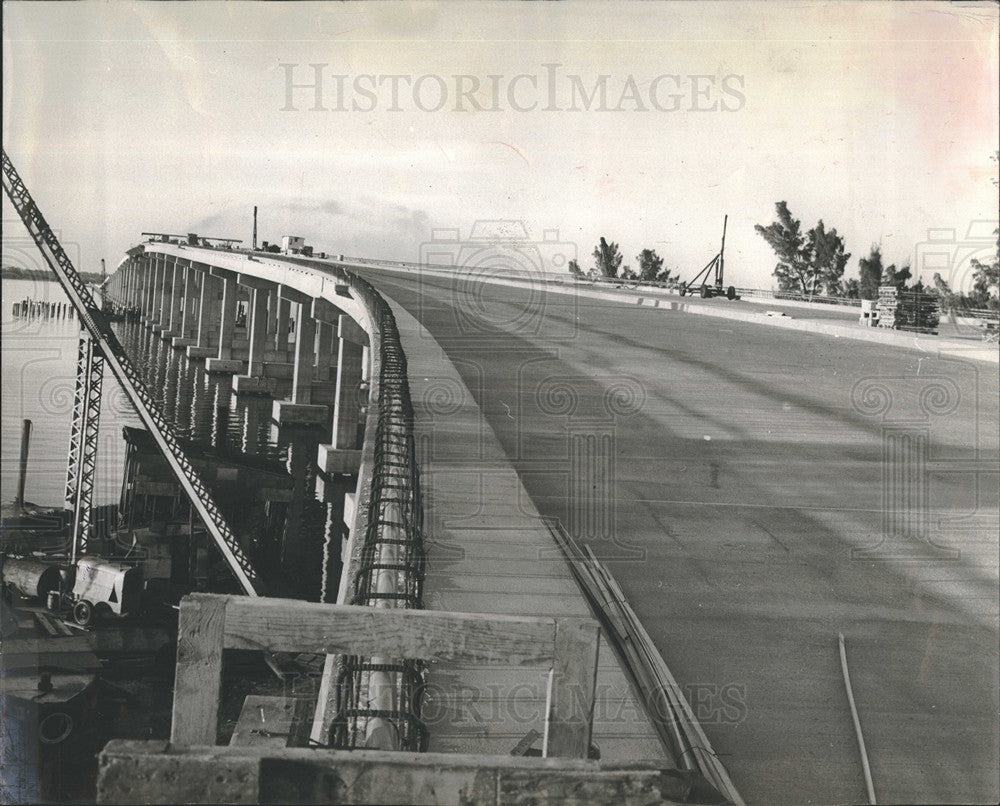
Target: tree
point(574, 268)
point(986, 281)
point(852, 289)
point(807, 263)
point(607, 258)
point(898, 277)
point(870, 270)
point(827, 258)
point(947, 297)
point(650, 265)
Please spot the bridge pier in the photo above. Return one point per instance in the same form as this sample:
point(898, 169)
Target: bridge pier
point(209, 313)
point(135, 284)
point(173, 303)
point(156, 295)
point(256, 381)
point(224, 362)
point(281, 327)
point(189, 316)
point(300, 410)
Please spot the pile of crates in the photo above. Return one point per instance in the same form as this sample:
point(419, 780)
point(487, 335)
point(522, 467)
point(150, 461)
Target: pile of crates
point(907, 310)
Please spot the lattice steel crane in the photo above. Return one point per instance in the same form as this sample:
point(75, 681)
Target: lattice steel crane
point(102, 347)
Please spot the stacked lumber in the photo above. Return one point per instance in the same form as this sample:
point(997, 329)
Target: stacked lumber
point(665, 703)
point(913, 311)
point(886, 306)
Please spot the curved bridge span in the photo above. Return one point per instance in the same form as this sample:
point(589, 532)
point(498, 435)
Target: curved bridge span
point(756, 492)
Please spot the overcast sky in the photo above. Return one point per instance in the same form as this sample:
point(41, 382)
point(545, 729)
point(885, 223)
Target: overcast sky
point(880, 119)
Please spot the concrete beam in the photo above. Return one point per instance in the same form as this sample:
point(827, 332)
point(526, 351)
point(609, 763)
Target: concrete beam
point(294, 295)
point(325, 311)
point(224, 366)
point(254, 385)
point(351, 331)
point(338, 460)
point(285, 412)
point(257, 283)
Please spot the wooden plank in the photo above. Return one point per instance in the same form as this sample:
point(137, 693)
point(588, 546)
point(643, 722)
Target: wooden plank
point(47, 624)
point(199, 670)
point(263, 722)
point(574, 684)
point(284, 625)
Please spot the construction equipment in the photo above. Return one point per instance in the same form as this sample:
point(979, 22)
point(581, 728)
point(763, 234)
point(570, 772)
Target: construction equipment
point(106, 343)
point(700, 281)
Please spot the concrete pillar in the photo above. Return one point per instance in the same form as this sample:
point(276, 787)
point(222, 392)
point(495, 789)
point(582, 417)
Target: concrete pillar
point(141, 273)
point(325, 367)
point(223, 362)
point(145, 305)
point(209, 314)
point(281, 337)
point(130, 283)
point(166, 296)
point(255, 382)
point(175, 303)
point(305, 356)
point(273, 303)
point(159, 272)
point(136, 289)
point(346, 403)
point(190, 314)
point(300, 410)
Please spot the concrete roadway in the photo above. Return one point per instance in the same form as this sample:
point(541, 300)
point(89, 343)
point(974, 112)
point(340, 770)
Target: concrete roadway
point(732, 475)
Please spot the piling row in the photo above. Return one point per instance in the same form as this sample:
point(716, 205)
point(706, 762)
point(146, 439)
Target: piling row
point(42, 309)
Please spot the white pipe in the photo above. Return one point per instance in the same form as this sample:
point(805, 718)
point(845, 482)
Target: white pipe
point(869, 785)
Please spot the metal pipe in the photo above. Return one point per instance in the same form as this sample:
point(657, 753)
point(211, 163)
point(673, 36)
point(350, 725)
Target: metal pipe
point(23, 468)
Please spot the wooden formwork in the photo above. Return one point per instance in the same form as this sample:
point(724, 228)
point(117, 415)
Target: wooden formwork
point(190, 768)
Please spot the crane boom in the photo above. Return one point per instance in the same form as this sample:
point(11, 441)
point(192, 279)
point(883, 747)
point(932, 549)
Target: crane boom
point(115, 357)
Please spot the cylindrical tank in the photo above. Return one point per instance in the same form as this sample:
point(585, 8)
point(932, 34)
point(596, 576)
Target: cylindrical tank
point(29, 578)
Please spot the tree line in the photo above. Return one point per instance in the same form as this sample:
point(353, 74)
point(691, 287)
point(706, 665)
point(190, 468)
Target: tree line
point(608, 264)
point(812, 263)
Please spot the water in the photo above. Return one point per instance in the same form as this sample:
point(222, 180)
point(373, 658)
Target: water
point(38, 365)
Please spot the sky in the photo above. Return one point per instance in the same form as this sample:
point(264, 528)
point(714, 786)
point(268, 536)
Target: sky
point(410, 128)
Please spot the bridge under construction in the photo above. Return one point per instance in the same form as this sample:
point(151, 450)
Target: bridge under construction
point(538, 494)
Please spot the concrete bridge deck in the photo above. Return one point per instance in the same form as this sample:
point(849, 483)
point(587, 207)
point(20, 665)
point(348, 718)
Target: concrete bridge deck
point(747, 487)
point(756, 491)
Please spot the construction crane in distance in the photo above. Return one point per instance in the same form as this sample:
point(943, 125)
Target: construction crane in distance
point(718, 263)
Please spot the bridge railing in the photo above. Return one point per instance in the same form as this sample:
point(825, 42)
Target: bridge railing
point(376, 702)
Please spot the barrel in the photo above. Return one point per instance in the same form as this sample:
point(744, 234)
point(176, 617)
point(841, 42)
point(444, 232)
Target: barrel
point(29, 578)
